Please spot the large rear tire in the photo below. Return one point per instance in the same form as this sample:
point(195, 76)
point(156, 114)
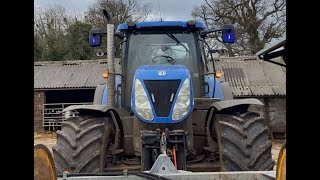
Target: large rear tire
point(243, 142)
point(81, 144)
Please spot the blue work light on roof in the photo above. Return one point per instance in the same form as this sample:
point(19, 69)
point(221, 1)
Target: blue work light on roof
point(228, 35)
point(95, 36)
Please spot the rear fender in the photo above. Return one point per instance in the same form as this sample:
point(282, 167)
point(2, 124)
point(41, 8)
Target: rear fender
point(101, 93)
point(227, 90)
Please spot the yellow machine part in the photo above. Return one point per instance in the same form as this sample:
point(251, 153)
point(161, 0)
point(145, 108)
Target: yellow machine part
point(281, 167)
point(44, 168)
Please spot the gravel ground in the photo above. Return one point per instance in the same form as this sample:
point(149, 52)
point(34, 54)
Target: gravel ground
point(276, 146)
point(47, 139)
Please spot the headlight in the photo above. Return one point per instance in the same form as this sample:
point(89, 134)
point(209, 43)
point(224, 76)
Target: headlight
point(182, 104)
point(141, 101)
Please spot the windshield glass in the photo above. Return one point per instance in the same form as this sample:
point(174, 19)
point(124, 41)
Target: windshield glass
point(151, 49)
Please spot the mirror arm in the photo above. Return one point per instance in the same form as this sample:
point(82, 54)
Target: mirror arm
point(205, 33)
point(102, 33)
point(217, 30)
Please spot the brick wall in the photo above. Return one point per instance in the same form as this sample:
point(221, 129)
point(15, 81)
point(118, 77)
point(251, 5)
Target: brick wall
point(39, 99)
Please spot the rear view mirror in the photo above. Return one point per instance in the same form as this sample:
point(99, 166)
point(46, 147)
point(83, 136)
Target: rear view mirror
point(119, 35)
point(228, 35)
point(95, 37)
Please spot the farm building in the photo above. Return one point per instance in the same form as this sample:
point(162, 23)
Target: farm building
point(60, 84)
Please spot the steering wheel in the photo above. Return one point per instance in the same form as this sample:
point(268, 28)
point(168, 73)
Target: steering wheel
point(168, 58)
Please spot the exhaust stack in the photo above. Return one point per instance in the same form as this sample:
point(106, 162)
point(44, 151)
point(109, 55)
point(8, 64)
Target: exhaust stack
point(110, 59)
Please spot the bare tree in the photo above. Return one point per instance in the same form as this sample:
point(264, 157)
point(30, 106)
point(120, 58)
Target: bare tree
point(52, 18)
point(256, 22)
point(50, 26)
point(52, 33)
point(121, 11)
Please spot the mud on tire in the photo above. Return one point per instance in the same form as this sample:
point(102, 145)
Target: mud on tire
point(243, 142)
point(81, 144)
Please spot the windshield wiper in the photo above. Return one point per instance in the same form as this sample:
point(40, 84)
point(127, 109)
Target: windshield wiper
point(177, 41)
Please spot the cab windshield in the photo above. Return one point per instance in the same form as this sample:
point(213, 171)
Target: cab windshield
point(152, 49)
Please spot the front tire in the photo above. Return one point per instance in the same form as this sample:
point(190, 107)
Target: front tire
point(243, 142)
point(81, 144)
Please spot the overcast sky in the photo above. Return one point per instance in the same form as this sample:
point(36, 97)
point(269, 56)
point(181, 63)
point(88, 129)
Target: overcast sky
point(170, 9)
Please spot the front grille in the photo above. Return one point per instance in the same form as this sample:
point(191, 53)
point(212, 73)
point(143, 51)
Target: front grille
point(162, 91)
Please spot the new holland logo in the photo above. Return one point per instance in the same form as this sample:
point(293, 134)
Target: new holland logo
point(162, 73)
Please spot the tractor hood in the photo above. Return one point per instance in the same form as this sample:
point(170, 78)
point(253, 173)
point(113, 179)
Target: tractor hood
point(162, 72)
point(156, 96)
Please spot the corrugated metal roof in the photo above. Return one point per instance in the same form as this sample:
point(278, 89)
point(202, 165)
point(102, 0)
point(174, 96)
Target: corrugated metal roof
point(71, 74)
point(249, 76)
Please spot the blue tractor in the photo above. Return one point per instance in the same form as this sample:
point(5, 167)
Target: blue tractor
point(166, 100)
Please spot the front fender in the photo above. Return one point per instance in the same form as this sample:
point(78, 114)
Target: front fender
point(101, 108)
point(220, 105)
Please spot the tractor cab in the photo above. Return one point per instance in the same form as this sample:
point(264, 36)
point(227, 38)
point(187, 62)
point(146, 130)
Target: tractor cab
point(162, 58)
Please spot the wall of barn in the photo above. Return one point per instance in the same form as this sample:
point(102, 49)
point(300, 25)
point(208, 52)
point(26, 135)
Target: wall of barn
point(39, 100)
point(274, 112)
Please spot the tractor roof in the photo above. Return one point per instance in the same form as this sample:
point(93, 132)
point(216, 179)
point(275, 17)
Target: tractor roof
point(163, 25)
